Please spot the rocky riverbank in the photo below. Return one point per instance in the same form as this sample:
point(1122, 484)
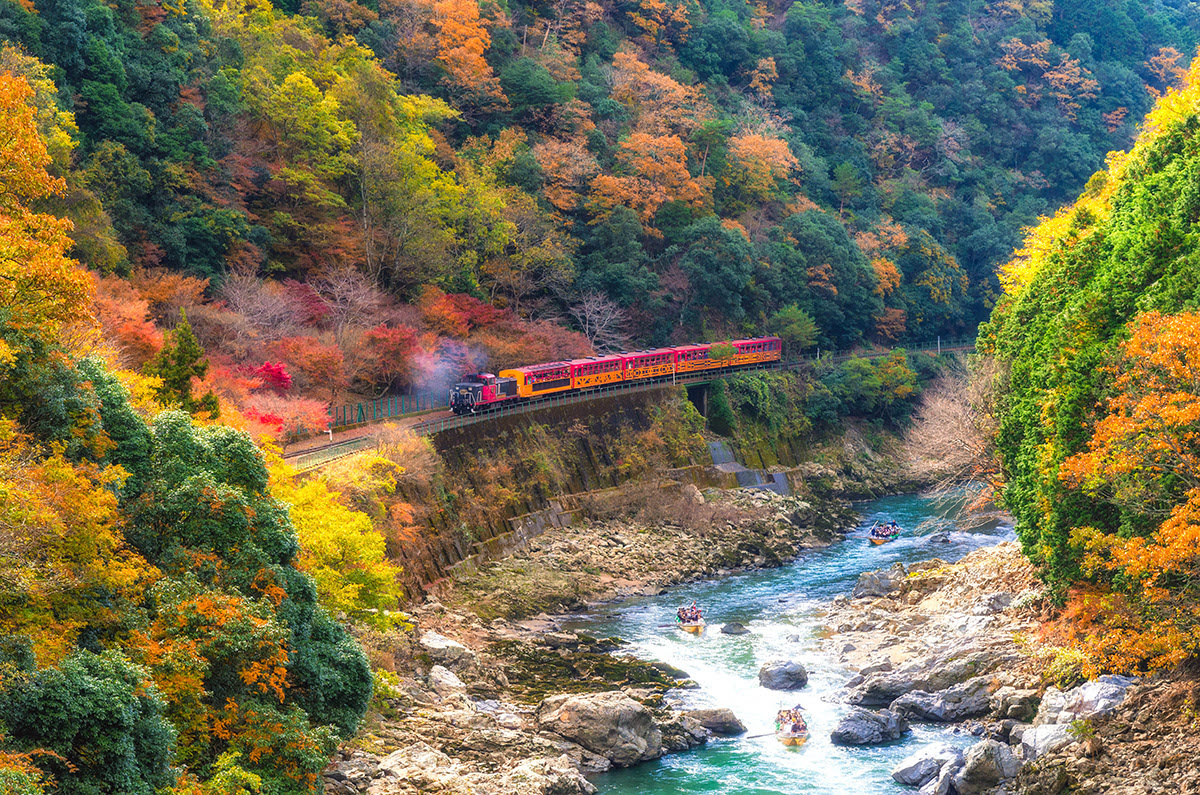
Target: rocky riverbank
point(954, 644)
point(671, 536)
point(485, 693)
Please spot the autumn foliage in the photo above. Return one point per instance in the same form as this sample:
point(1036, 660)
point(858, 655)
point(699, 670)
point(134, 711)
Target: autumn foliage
point(1145, 456)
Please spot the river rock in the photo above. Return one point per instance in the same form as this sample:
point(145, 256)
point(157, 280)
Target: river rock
point(864, 727)
point(734, 628)
point(919, 768)
point(1014, 703)
point(1090, 700)
point(879, 582)
point(446, 652)
point(560, 640)
point(944, 782)
point(719, 721)
point(610, 724)
point(928, 674)
point(681, 732)
point(783, 675)
point(444, 682)
point(556, 776)
point(955, 703)
point(1039, 740)
point(987, 763)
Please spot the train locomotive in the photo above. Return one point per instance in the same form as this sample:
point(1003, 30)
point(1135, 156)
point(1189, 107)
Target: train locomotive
point(483, 391)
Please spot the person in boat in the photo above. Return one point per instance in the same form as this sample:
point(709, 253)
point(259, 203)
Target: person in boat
point(893, 528)
point(791, 720)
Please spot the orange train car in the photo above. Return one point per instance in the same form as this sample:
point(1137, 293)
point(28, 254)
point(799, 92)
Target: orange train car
point(540, 379)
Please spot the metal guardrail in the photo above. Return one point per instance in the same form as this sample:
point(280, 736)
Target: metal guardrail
point(317, 457)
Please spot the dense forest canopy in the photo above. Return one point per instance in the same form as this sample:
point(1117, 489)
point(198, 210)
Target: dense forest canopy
point(309, 179)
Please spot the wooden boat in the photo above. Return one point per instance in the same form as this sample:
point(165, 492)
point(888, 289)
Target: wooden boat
point(695, 627)
point(881, 539)
point(789, 737)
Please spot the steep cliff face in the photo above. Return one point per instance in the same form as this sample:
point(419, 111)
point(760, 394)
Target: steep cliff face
point(494, 485)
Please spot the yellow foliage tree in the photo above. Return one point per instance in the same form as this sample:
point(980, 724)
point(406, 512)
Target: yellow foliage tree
point(340, 548)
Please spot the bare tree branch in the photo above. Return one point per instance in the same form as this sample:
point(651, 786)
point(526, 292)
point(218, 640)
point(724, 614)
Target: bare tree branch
point(602, 321)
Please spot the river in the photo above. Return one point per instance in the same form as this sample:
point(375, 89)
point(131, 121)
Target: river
point(782, 609)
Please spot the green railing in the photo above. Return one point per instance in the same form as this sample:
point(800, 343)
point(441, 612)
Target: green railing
point(385, 408)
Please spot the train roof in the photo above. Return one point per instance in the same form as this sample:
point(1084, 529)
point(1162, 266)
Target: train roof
point(542, 366)
point(611, 357)
point(647, 352)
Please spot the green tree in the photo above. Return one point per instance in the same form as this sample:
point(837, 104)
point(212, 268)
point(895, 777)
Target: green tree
point(180, 360)
point(795, 327)
point(103, 718)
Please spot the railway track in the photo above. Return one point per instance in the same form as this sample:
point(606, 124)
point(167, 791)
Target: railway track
point(428, 424)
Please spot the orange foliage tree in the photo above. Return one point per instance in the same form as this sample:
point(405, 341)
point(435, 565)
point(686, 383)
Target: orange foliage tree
point(41, 290)
point(462, 39)
point(1144, 456)
point(656, 173)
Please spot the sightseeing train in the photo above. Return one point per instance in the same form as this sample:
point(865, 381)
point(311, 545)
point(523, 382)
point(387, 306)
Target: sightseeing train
point(480, 391)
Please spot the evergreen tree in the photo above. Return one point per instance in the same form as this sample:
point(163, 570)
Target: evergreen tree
point(181, 359)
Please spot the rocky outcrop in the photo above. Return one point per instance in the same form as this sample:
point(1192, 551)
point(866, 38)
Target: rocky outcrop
point(782, 675)
point(929, 674)
point(864, 727)
point(986, 764)
point(956, 703)
point(1019, 704)
point(1087, 701)
point(879, 582)
point(734, 628)
point(611, 724)
point(920, 768)
point(718, 721)
point(1060, 710)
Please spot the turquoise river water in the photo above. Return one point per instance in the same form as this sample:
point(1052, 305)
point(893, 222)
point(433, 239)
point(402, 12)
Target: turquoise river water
point(782, 609)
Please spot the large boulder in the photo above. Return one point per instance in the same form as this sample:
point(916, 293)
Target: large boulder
point(1014, 703)
point(610, 724)
point(681, 732)
point(921, 767)
point(783, 675)
point(719, 721)
point(421, 766)
point(1039, 740)
point(1090, 700)
point(987, 763)
point(958, 702)
point(864, 727)
point(879, 582)
point(928, 674)
point(444, 682)
point(734, 628)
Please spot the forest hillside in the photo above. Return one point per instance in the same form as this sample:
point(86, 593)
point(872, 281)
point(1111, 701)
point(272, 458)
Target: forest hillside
point(361, 198)
point(1098, 335)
